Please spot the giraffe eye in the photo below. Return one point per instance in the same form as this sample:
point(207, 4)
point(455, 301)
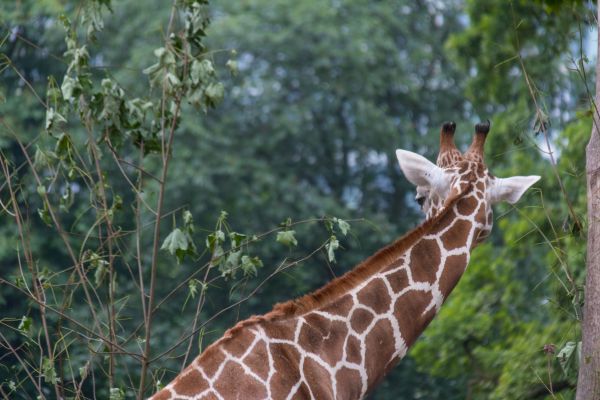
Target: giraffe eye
point(420, 200)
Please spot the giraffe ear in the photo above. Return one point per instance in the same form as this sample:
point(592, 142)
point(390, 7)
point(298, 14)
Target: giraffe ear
point(421, 172)
point(510, 189)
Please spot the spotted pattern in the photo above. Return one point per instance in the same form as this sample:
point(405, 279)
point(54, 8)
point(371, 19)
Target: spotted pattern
point(344, 348)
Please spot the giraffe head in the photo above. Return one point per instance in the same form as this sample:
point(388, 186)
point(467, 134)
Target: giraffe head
point(461, 174)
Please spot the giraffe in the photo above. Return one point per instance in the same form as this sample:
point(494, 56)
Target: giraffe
point(339, 341)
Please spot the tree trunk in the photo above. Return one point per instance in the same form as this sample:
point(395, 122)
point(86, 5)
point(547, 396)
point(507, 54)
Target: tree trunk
point(588, 385)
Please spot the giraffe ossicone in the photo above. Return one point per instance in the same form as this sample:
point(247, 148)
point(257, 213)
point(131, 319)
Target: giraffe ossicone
point(339, 341)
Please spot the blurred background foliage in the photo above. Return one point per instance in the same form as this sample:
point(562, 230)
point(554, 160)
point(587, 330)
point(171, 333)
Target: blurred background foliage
point(318, 97)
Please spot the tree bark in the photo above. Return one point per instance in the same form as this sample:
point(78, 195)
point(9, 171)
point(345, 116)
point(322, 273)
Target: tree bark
point(588, 385)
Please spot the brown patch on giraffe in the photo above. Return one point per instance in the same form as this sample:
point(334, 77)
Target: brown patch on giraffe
point(480, 186)
point(453, 270)
point(360, 319)
point(380, 345)
point(481, 214)
point(317, 322)
point(447, 220)
point(425, 259)
point(353, 354)
point(190, 384)
point(286, 360)
point(210, 396)
point(466, 205)
point(398, 279)
point(408, 310)
point(341, 306)
point(455, 236)
point(490, 218)
point(216, 358)
point(258, 360)
point(311, 337)
point(238, 347)
point(319, 333)
point(234, 382)
point(334, 342)
point(279, 330)
point(375, 296)
point(318, 379)
point(349, 384)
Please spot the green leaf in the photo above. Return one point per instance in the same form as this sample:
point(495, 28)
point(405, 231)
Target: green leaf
point(214, 93)
point(176, 240)
point(95, 260)
point(49, 372)
point(236, 239)
point(250, 265)
point(79, 57)
point(92, 17)
point(83, 371)
point(232, 65)
point(64, 147)
point(40, 158)
point(25, 325)
point(41, 190)
point(193, 287)
point(342, 225)
point(172, 81)
point(287, 238)
point(567, 355)
point(332, 245)
point(201, 71)
point(69, 88)
point(188, 221)
point(138, 108)
point(117, 202)
point(53, 118)
point(116, 394)
point(215, 239)
point(232, 262)
point(152, 70)
point(100, 273)
point(45, 215)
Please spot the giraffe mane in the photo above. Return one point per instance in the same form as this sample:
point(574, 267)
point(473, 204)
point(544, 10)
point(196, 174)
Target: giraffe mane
point(338, 286)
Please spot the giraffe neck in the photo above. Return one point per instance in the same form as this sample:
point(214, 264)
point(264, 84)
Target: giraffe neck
point(371, 327)
point(341, 348)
